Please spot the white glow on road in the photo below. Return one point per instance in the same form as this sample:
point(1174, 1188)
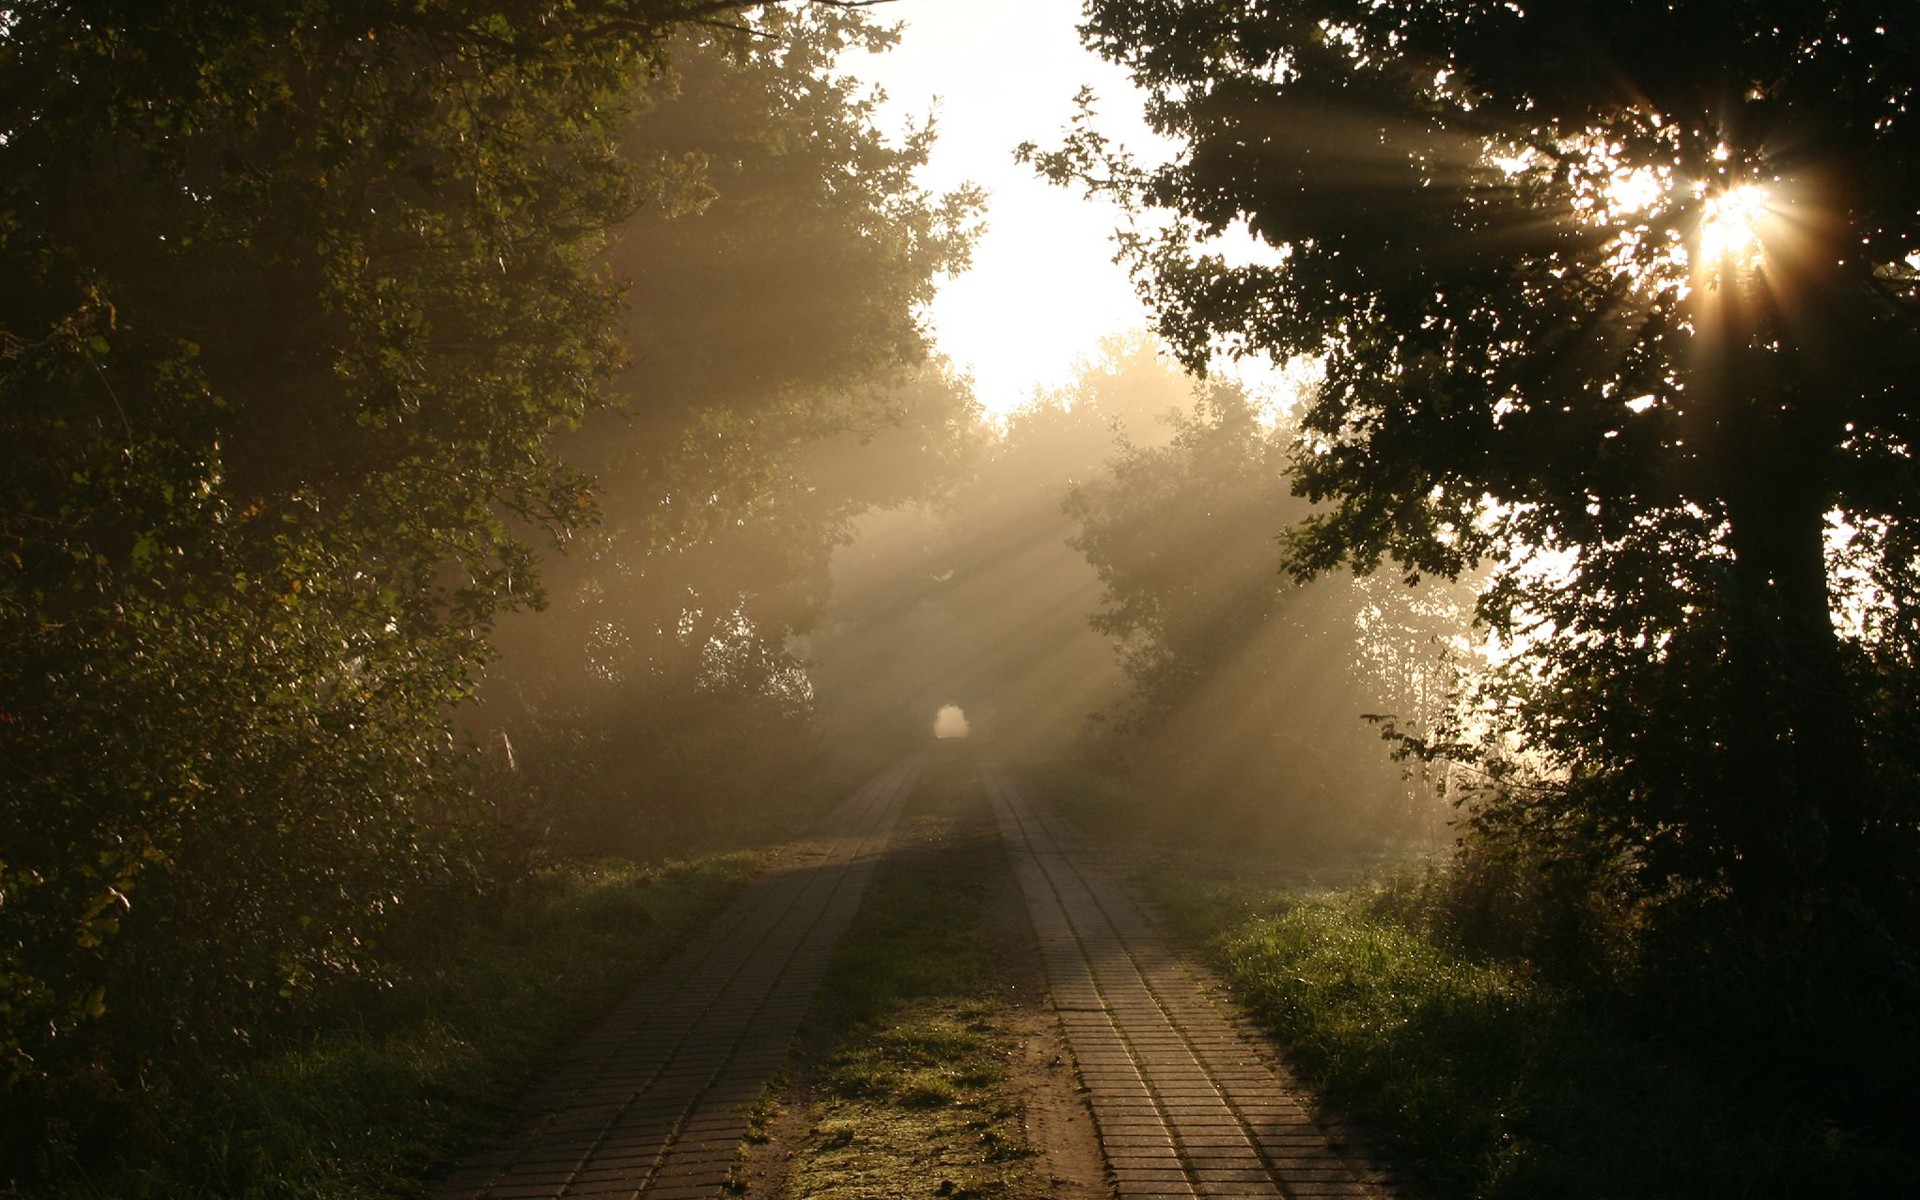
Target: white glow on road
point(950, 722)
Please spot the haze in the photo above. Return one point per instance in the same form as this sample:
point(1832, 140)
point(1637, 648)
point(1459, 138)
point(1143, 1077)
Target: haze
point(494, 496)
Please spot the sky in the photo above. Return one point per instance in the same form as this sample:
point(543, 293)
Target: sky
point(1043, 289)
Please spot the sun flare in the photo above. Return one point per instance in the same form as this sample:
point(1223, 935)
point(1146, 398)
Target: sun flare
point(1731, 225)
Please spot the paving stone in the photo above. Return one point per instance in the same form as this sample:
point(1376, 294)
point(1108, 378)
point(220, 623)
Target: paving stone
point(1174, 1174)
point(1162, 1064)
point(652, 1101)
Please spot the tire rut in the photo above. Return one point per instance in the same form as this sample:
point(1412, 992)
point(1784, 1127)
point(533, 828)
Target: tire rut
point(1184, 1103)
point(657, 1099)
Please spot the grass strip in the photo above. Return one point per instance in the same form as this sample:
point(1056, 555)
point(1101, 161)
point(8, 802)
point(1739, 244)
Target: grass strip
point(905, 1089)
point(1486, 1079)
point(1490, 1082)
point(368, 1109)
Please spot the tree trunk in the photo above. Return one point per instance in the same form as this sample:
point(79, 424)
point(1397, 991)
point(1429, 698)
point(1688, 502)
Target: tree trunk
point(1803, 767)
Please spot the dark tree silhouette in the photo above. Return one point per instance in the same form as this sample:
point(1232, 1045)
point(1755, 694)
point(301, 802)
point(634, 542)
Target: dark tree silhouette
point(299, 296)
point(1619, 299)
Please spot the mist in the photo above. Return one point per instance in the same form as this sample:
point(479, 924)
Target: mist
point(477, 480)
point(1101, 587)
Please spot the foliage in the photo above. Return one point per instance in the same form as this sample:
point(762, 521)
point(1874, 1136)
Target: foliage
point(303, 298)
point(1493, 1082)
point(367, 1109)
point(1249, 689)
point(297, 293)
point(975, 598)
point(1504, 233)
point(780, 386)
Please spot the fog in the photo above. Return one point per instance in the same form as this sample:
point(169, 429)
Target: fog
point(1093, 581)
point(1102, 586)
point(811, 541)
point(451, 463)
point(808, 538)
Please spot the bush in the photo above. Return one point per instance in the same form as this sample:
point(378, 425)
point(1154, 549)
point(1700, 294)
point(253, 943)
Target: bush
point(389, 1081)
point(1494, 1081)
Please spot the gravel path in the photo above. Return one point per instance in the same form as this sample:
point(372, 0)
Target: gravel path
point(657, 1099)
point(1184, 1104)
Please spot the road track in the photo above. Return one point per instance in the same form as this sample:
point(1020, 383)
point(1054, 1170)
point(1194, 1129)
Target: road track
point(656, 1100)
point(1184, 1103)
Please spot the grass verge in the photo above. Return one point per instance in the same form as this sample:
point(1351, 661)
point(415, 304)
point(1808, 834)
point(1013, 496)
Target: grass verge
point(367, 1110)
point(903, 1089)
point(1483, 1078)
point(1492, 1083)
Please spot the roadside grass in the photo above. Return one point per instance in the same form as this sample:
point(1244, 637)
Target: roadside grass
point(1493, 1083)
point(904, 1087)
point(368, 1108)
point(1483, 1078)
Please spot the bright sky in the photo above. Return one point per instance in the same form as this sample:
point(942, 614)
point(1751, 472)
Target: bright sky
point(1043, 289)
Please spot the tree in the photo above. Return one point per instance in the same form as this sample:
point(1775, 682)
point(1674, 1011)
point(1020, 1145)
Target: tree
point(976, 598)
point(297, 295)
point(1248, 687)
point(1621, 301)
point(780, 384)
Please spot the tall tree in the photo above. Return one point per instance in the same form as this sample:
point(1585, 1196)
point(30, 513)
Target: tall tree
point(1620, 299)
point(296, 293)
point(779, 384)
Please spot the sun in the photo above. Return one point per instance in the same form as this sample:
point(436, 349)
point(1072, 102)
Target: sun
point(1731, 225)
point(1669, 229)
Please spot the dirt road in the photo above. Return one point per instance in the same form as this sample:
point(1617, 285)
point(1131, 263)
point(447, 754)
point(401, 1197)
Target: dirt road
point(657, 1102)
